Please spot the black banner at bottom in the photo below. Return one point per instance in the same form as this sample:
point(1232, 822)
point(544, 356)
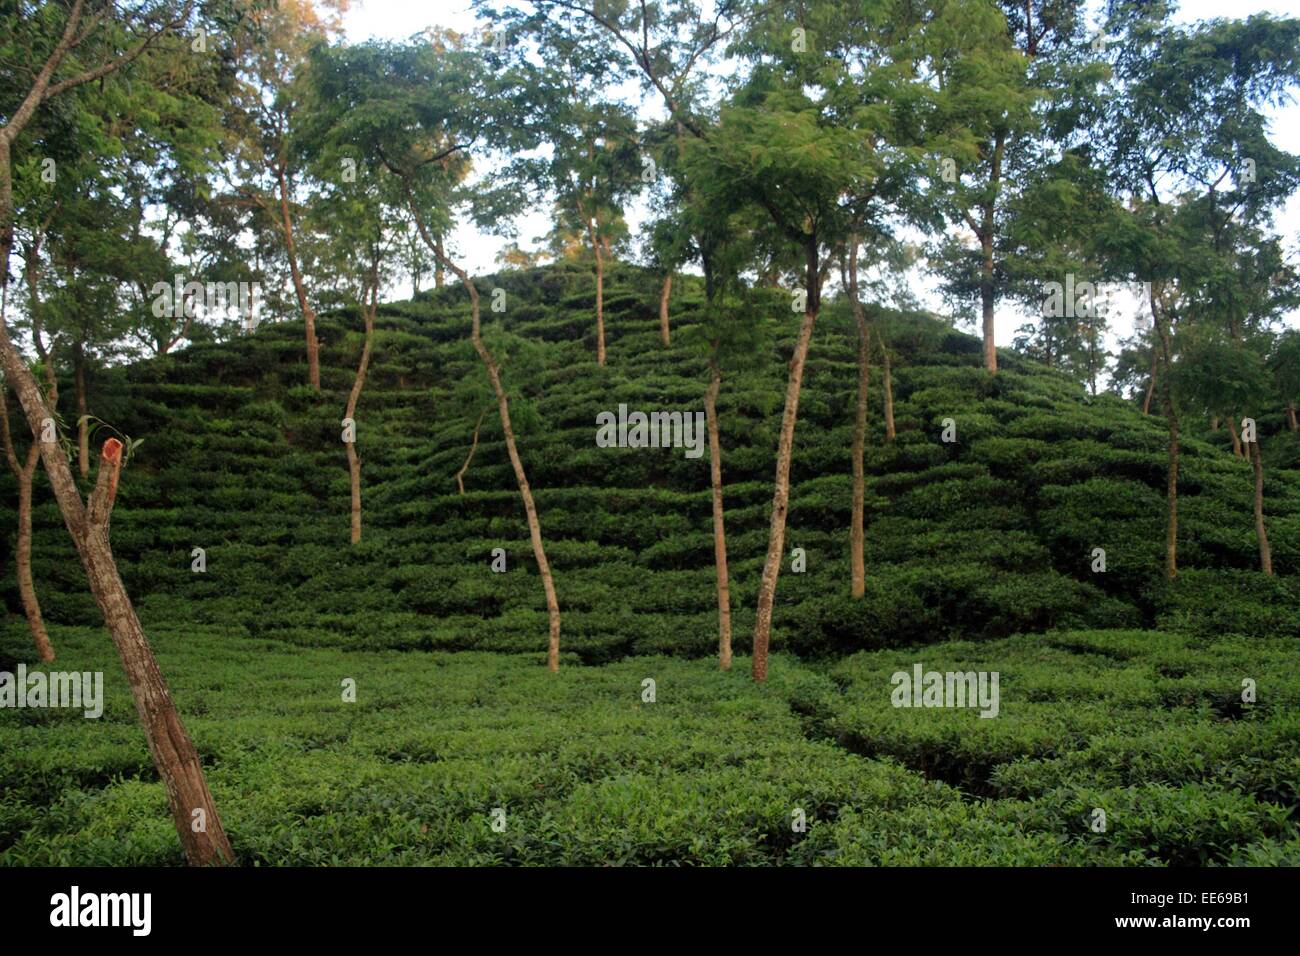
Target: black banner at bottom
point(334, 905)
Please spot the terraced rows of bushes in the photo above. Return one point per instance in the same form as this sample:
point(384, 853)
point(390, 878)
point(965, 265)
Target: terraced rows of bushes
point(1147, 727)
point(984, 537)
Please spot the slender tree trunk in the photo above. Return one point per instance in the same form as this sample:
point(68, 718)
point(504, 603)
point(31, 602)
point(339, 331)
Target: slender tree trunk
point(857, 535)
point(503, 406)
point(354, 463)
point(291, 250)
point(719, 529)
point(473, 446)
point(1290, 417)
point(1261, 533)
point(986, 248)
point(1171, 416)
point(600, 293)
point(23, 557)
point(439, 255)
point(23, 474)
point(83, 426)
point(663, 307)
point(1236, 438)
point(781, 495)
point(1151, 383)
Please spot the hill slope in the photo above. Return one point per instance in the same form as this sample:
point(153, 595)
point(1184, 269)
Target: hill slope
point(983, 537)
point(966, 541)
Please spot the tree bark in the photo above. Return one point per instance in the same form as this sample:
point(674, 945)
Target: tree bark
point(781, 495)
point(1261, 533)
point(23, 475)
point(986, 248)
point(1151, 383)
point(1236, 438)
point(888, 376)
point(600, 292)
point(23, 557)
point(503, 406)
point(663, 307)
point(1171, 416)
point(986, 310)
point(1290, 417)
point(719, 529)
point(291, 250)
point(857, 535)
point(83, 426)
point(354, 463)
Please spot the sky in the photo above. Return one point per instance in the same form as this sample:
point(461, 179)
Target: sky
point(399, 19)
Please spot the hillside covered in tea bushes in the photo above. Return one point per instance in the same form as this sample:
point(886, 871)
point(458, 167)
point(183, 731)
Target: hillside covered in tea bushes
point(1119, 692)
point(986, 536)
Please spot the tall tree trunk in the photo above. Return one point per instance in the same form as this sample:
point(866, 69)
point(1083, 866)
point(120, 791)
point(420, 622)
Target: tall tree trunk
point(781, 495)
point(663, 306)
point(1261, 533)
point(600, 292)
point(985, 233)
point(83, 426)
point(857, 535)
point(719, 529)
point(439, 255)
point(503, 406)
point(1171, 416)
point(888, 376)
point(1290, 417)
point(473, 446)
point(291, 250)
point(354, 463)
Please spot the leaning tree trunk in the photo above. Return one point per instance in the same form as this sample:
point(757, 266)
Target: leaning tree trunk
point(473, 447)
point(1236, 438)
point(781, 494)
point(857, 535)
point(354, 462)
point(663, 307)
point(1261, 533)
point(719, 529)
point(503, 407)
point(193, 811)
point(308, 314)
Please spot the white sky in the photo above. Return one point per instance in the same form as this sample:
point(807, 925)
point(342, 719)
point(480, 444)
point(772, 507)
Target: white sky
point(399, 19)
